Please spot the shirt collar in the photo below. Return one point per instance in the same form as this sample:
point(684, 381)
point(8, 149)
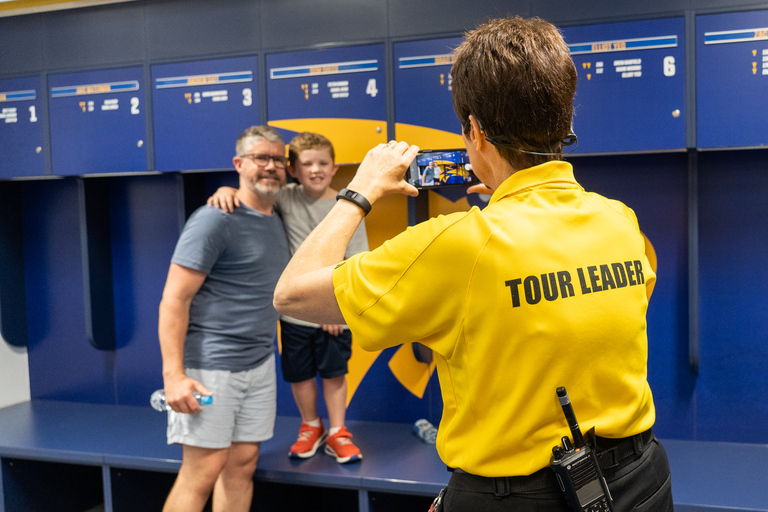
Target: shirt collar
point(556, 171)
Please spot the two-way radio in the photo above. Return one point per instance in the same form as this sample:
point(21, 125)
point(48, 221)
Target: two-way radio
point(576, 467)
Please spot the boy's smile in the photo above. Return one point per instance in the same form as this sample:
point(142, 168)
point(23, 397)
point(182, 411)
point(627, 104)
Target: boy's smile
point(314, 168)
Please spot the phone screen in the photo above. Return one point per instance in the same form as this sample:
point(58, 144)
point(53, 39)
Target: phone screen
point(437, 168)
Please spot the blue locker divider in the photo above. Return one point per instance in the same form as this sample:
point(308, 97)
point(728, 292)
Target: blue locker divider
point(63, 365)
point(733, 229)
point(13, 303)
point(144, 213)
point(147, 214)
point(97, 263)
point(198, 187)
point(655, 187)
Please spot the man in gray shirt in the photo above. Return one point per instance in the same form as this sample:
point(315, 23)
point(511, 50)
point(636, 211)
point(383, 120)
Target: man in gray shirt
point(217, 328)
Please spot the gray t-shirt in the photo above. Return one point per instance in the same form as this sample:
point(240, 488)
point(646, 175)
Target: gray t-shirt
point(302, 214)
point(232, 323)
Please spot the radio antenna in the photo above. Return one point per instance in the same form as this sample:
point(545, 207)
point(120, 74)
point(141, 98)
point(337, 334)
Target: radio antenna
point(570, 416)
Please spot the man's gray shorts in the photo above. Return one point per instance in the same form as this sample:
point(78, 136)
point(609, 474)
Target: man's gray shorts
point(243, 409)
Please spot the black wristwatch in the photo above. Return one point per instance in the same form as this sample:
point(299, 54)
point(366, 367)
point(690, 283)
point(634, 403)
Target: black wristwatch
point(356, 198)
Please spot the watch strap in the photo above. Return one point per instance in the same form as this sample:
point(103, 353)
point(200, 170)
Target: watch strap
point(356, 198)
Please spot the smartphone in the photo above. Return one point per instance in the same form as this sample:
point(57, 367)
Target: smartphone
point(436, 168)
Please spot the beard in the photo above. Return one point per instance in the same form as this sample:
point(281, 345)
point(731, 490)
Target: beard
point(260, 187)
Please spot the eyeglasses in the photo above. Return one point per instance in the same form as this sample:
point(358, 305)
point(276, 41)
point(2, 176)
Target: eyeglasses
point(263, 160)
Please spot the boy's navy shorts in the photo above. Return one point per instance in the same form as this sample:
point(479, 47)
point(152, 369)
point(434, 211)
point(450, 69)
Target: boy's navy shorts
point(308, 351)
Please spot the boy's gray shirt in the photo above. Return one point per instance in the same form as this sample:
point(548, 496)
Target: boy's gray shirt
point(232, 323)
point(302, 214)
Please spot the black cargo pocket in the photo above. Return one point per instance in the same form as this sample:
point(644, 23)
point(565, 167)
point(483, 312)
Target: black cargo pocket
point(659, 501)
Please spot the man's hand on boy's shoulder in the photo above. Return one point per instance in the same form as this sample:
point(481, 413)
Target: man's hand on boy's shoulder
point(225, 198)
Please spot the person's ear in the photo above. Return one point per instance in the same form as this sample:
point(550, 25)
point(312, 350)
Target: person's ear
point(476, 135)
point(238, 163)
point(292, 171)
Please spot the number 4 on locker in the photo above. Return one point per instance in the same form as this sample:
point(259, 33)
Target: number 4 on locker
point(371, 88)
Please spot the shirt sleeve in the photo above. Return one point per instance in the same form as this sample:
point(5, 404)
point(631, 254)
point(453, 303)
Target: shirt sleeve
point(649, 268)
point(282, 199)
point(411, 288)
point(202, 240)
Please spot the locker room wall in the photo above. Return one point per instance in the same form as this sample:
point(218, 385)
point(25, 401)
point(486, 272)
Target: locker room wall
point(719, 195)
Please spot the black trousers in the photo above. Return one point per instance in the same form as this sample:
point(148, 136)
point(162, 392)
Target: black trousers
point(644, 485)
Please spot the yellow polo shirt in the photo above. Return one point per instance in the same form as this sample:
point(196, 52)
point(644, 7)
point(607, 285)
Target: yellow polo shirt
point(544, 287)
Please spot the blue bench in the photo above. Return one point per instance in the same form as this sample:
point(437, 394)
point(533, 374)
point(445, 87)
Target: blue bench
point(87, 454)
point(77, 456)
point(718, 477)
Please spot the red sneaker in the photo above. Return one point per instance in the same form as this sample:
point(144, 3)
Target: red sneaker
point(341, 447)
point(310, 439)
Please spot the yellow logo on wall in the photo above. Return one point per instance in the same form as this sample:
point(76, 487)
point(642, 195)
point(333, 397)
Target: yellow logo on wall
point(351, 138)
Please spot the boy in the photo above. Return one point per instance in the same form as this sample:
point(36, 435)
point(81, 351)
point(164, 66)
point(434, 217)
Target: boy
point(309, 348)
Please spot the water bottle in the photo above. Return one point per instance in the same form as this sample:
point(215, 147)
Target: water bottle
point(426, 431)
point(158, 400)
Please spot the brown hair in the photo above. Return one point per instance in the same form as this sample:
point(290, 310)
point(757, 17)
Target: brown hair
point(516, 76)
point(256, 133)
point(308, 140)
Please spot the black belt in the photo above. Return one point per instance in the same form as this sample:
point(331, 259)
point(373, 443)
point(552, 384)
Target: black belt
point(543, 480)
point(612, 455)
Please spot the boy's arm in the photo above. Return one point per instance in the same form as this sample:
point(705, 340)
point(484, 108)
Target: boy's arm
point(180, 288)
point(225, 198)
